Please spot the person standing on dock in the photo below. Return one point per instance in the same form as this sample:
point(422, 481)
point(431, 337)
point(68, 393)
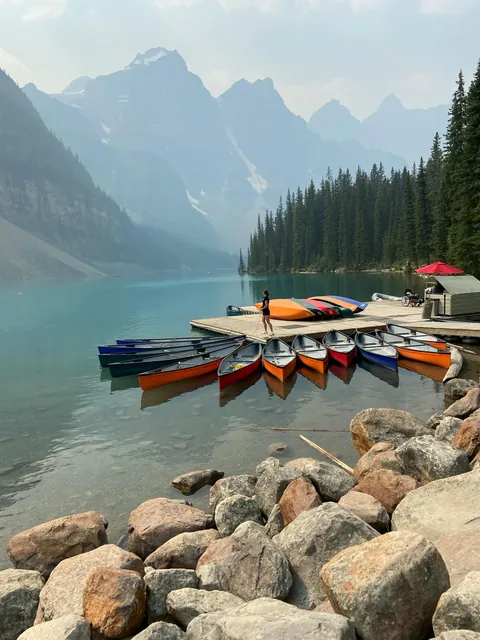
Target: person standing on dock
point(265, 309)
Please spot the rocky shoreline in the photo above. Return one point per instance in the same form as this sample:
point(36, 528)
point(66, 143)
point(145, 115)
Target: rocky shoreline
point(302, 550)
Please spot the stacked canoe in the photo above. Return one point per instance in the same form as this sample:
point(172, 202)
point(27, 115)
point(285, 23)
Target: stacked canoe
point(314, 308)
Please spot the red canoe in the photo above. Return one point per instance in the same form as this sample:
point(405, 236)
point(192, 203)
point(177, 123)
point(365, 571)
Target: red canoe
point(240, 364)
point(341, 347)
point(326, 309)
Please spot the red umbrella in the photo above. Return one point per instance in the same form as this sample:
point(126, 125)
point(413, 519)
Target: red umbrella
point(440, 269)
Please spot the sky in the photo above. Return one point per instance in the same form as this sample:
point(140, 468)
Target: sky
point(357, 51)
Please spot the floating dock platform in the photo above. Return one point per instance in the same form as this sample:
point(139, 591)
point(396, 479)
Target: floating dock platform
point(376, 316)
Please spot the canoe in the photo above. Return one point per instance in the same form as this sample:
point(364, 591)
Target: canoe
point(423, 369)
point(160, 346)
point(361, 306)
point(175, 341)
point(157, 397)
point(416, 350)
point(389, 376)
point(307, 304)
point(341, 347)
point(317, 378)
point(183, 370)
point(345, 374)
point(373, 349)
point(311, 353)
point(232, 392)
point(280, 388)
point(240, 364)
point(416, 335)
point(283, 309)
point(328, 310)
point(153, 362)
point(232, 310)
point(343, 312)
point(279, 359)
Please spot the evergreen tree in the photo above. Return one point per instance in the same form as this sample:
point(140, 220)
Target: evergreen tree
point(422, 227)
point(241, 265)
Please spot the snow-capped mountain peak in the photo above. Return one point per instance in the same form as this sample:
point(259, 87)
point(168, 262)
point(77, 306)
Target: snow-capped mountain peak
point(150, 57)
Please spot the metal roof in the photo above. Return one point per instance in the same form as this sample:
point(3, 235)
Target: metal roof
point(459, 284)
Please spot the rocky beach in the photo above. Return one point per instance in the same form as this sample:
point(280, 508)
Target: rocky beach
point(298, 549)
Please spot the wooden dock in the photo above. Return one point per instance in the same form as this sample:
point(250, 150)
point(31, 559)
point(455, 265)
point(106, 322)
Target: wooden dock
point(374, 317)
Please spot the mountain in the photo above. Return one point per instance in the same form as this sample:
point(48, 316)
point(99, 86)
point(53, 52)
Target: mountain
point(142, 183)
point(406, 132)
point(46, 192)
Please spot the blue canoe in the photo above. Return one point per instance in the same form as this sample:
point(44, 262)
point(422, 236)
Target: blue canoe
point(361, 305)
point(163, 346)
point(372, 349)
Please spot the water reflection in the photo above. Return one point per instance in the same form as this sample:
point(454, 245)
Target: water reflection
point(279, 388)
point(156, 397)
point(317, 378)
point(423, 369)
point(233, 391)
point(382, 373)
point(345, 374)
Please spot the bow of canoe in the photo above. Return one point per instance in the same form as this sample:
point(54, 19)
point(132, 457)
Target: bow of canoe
point(341, 347)
point(311, 353)
point(373, 349)
point(279, 359)
point(416, 350)
point(239, 364)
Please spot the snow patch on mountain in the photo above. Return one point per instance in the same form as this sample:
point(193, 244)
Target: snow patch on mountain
point(195, 204)
point(148, 58)
point(105, 128)
point(258, 182)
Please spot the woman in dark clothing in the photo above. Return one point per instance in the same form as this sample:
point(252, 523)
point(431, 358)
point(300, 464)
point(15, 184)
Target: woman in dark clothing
point(265, 309)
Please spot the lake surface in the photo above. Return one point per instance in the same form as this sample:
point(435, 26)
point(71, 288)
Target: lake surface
point(72, 440)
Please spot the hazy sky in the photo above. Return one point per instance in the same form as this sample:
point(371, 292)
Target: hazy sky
point(355, 50)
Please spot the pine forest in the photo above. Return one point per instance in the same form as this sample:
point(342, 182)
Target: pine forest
point(378, 220)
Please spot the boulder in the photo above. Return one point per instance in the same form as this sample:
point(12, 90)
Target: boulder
point(434, 421)
point(388, 487)
point(233, 511)
point(368, 509)
point(243, 485)
point(277, 447)
point(271, 485)
point(381, 456)
point(300, 495)
point(389, 586)
point(189, 483)
point(267, 619)
point(160, 583)
point(467, 438)
point(330, 481)
point(459, 551)
point(458, 635)
point(465, 406)
point(269, 462)
point(186, 604)
point(459, 607)
point(46, 545)
point(324, 607)
point(19, 596)
point(246, 564)
point(161, 631)
point(114, 601)
point(69, 627)
point(63, 593)
point(427, 459)
point(440, 508)
point(275, 522)
point(447, 429)
point(385, 425)
point(156, 521)
point(312, 540)
point(182, 551)
point(458, 388)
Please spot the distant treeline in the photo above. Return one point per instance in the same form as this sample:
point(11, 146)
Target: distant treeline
point(410, 217)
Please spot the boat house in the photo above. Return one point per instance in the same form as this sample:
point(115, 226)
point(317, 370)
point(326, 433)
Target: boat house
point(454, 295)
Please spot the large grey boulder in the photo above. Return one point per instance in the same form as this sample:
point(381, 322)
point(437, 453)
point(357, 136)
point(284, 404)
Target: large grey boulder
point(458, 635)
point(182, 551)
point(269, 462)
point(459, 607)
point(267, 619)
point(161, 631)
point(243, 485)
point(186, 604)
point(458, 388)
point(271, 486)
point(460, 553)
point(381, 456)
point(389, 586)
point(371, 426)
point(160, 583)
point(368, 509)
point(63, 593)
point(448, 428)
point(19, 596)
point(440, 508)
point(427, 459)
point(69, 627)
point(233, 511)
point(275, 523)
point(330, 481)
point(311, 540)
point(465, 406)
point(190, 483)
point(247, 564)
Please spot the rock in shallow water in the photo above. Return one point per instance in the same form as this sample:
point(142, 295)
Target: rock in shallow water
point(185, 605)
point(268, 619)
point(233, 511)
point(69, 627)
point(311, 541)
point(190, 483)
point(243, 485)
point(19, 596)
point(46, 545)
point(427, 459)
point(458, 388)
point(246, 564)
point(459, 607)
point(465, 406)
point(389, 586)
point(388, 487)
point(160, 583)
point(182, 551)
point(330, 481)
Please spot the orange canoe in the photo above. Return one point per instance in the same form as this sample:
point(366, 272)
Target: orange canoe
point(338, 302)
point(311, 353)
point(287, 310)
point(416, 350)
point(405, 332)
point(279, 359)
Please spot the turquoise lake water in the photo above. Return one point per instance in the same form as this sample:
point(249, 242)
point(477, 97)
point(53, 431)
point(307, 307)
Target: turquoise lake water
point(72, 440)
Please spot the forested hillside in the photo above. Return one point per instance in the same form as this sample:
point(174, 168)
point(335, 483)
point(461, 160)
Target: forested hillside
point(379, 219)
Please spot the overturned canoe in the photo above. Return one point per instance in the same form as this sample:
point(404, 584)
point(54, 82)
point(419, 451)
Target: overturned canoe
point(328, 310)
point(416, 350)
point(311, 353)
point(373, 349)
point(283, 309)
point(341, 347)
point(279, 359)
point(343, 311)
point(240, 364)
point(233, 310)
point(405, 332)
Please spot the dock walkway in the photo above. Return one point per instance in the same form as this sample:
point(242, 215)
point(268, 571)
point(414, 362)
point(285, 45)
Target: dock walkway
point(374, 317)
